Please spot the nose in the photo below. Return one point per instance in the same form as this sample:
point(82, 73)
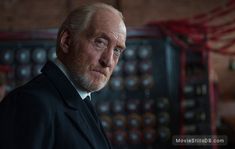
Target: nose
point(106, 58)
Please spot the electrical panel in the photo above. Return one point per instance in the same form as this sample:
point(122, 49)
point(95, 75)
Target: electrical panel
point(140, 106)
point(197, 101)
point(23, 54)
point(147, 100)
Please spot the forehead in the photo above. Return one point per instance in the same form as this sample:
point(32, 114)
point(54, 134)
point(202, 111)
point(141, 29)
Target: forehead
point(109, 23)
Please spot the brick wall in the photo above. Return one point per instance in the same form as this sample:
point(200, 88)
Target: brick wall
point(34, 14)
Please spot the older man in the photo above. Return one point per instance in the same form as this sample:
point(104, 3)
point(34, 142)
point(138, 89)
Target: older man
point(53, 111)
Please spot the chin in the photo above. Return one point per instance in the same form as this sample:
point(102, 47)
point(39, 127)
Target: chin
point(97, 87)
point(97, 84)
point(92, 84)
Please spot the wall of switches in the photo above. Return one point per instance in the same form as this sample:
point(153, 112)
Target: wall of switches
point(146, 101)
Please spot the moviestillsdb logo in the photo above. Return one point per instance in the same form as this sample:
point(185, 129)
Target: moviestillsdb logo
point(199, 140)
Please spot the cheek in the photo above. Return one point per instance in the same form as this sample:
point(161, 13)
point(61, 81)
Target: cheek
point(92, 55)
point(88, 58)
point(114, 65)
point(116, 59)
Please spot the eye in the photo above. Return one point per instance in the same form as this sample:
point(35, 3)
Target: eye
point(101, 43)
point(117, 51)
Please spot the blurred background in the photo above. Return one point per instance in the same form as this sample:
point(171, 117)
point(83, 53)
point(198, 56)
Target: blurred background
point(176, 76)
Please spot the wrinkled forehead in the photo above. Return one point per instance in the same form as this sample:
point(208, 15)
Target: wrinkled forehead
point(108, 24)
point(109, 21)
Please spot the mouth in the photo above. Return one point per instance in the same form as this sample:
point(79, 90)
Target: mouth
point(101, 72)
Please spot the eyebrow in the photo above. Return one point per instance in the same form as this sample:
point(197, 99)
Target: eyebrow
point(104, 35)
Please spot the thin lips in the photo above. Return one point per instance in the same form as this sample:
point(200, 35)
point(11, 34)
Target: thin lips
point(100, 71)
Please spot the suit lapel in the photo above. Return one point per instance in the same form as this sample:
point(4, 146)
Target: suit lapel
point(104, 135)
point(74, 106)
point(78, 119)
point(96, 127)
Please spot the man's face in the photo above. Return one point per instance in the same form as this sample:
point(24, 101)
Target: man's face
point(94, 53)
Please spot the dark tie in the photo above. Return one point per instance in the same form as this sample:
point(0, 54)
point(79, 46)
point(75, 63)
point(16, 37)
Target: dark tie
point(87, 100)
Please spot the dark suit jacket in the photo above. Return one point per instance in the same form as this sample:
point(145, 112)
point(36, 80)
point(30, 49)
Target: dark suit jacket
point(48, 113)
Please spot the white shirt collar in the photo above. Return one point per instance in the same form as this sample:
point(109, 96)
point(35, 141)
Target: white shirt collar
point(83, 94)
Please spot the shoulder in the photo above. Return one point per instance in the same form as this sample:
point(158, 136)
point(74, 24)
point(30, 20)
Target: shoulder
point(37, 96)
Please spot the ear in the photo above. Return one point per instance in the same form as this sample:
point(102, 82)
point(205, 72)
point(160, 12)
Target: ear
point(65, 41)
